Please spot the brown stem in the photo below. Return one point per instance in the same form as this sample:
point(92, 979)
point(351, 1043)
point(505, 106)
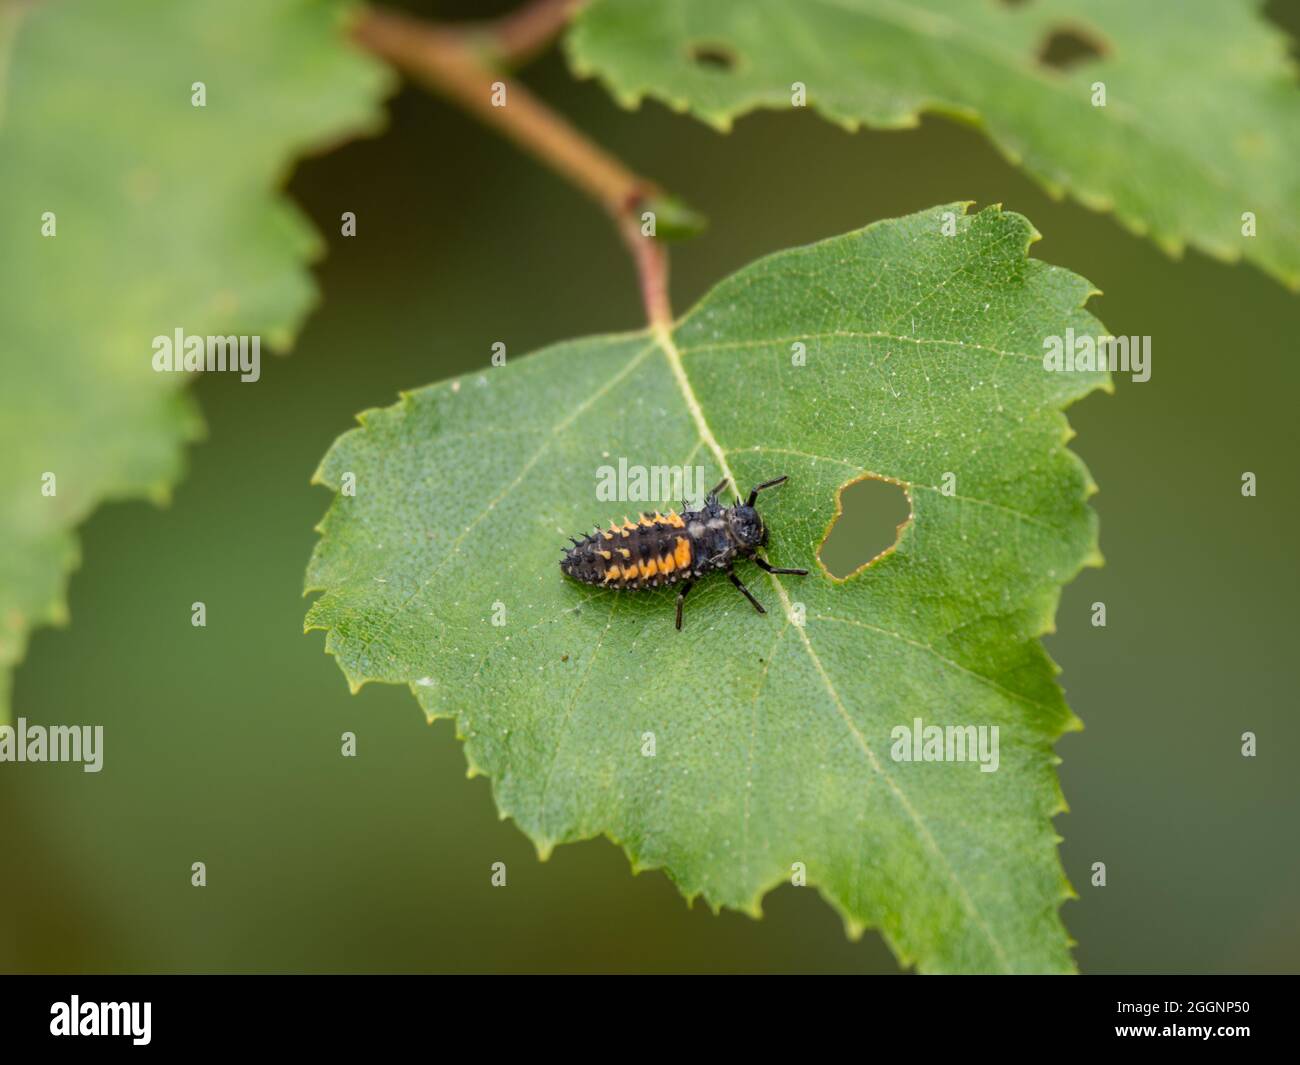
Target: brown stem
point(651, 259)
point(442, 60)
point(519, 36)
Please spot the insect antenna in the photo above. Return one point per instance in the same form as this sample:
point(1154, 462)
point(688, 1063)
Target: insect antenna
point(753, 492)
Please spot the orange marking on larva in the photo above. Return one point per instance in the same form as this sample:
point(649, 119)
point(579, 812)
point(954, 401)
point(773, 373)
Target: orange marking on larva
point(612, 573)
point(606, 555)
point(649, 567)
point(667, 564)
point(683, 553)
point(675, 520)
point(625, 552)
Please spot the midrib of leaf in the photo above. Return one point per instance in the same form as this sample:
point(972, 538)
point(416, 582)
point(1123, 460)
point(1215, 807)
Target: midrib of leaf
point(663, 338)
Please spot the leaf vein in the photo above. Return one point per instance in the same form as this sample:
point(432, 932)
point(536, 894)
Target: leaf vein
point(666, 343)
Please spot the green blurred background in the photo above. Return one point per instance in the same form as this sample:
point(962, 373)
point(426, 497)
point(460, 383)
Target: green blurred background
point(222, 743)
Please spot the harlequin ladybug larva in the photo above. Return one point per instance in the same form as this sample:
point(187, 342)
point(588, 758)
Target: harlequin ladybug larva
point(665, 549)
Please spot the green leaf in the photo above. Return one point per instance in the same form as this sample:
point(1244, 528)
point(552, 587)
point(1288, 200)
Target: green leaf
point(1201, 122)
point(674, 220)
point(165, 216)
point(924, 356)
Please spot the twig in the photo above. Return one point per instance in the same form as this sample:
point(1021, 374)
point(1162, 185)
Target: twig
point(517, 37)
point(651, 259)
point(446, 60)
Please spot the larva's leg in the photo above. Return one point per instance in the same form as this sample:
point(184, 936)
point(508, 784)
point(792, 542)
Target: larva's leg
point(763, 564)
point(736, 581)
point(681, 598)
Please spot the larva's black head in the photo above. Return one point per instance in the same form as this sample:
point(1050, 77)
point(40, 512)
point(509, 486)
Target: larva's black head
point(747, 528)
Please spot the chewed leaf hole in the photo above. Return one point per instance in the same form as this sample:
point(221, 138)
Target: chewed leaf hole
point(713, 56)
point(1067, 48)
point(872, 516)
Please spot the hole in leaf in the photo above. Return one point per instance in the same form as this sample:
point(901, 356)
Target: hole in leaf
point(1014, 3)
point(871, 519)
point(713, 56)
point(1067, 48)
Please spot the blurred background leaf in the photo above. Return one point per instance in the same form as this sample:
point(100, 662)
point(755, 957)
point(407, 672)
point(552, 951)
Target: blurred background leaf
point(1201, 114)
point(129, 213)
